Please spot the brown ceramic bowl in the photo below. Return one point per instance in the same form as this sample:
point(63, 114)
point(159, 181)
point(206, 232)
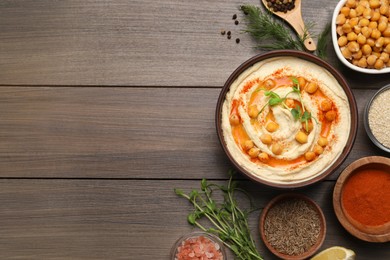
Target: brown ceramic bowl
point(370, 233)
point(292, 197)
point(317, 176)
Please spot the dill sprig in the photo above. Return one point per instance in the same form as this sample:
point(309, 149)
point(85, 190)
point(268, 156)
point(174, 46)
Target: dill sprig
point(263, 27)
point(323, 40)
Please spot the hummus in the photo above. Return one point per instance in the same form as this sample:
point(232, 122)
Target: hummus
point(285, 120)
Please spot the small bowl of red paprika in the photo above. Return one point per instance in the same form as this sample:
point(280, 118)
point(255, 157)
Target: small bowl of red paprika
point(361, 199)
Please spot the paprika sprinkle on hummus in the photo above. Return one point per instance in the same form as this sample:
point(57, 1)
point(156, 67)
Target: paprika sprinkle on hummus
point(366, 196)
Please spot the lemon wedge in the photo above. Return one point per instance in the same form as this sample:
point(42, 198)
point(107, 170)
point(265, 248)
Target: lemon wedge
point(335, 253)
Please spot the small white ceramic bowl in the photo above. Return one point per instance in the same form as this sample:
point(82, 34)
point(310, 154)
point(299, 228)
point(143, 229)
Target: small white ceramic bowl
point(338, 51)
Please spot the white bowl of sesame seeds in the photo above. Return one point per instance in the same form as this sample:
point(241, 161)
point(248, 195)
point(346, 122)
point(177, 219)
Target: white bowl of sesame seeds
point(361, 35)
point(377, 118)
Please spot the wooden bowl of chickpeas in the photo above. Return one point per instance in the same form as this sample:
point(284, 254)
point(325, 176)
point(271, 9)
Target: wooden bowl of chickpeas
point(286, 119)
point(361, 35)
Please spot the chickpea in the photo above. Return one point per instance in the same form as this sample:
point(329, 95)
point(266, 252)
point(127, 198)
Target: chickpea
point(371, 42)
point(364, 22)
point(384, 9)
point(326, 105)
point(362, 62)
point(372, 25)
point(311, 87)
point(375, 16)
point(247, 145)
point(234, 120)
point(263, 157)
point(318, 149)
point(301, 137)
point(366, 31)
point(269, 84)
point(253, 111)
point(382, 26)
point(307, 127)
point(367, 13)
point(384, 56)
point(352, 36)
point(386, 32)
point(253, 152)
point(341, 19)
point(350, 3)
point(359, 10)
point(290, 102)
point(346, 53)
point(379, 64)
point(371, 60)
point(266, 138)
point(301, 81)
point(352, 13)
point(357, 55)
point(387, 48)
point(272, 127)
point(374, 3)
point(346, 28)
point(361, 39)
point(375, 34)
point(353, 46)
point(342, 41)
point(379, 42)
point(310, 156)
point(345, 11)
point(354, 21)
point(330, 115)
point(322, 141)
point(366, 49)
point(277, 149)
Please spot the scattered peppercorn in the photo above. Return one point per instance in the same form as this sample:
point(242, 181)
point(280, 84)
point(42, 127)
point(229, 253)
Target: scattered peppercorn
point(236, 22)
point(229, 33)
point(237, 40)
point(229, 36)
point(223, 32)
point(234, 17)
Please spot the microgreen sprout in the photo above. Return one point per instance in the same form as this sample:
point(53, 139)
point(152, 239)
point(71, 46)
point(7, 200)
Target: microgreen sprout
point(229, 222)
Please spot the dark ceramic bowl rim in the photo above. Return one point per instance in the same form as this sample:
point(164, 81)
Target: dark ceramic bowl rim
point(291, 196)
point(366, 122)
point(308, 57)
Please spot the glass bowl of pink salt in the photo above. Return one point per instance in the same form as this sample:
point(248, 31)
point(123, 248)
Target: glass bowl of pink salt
point(377, 118)
point(361, 199)
point(198, 245)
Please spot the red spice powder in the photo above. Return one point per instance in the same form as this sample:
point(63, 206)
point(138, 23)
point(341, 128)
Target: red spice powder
point(366, 196)
point(198, 248)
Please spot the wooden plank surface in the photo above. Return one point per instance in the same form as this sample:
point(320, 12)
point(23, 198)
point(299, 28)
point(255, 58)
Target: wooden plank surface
point(124, 219)
point(119, 133)
point(135, 43)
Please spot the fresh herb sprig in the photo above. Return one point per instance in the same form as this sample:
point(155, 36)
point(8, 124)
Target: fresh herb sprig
point(263, 27)
point(229, 222)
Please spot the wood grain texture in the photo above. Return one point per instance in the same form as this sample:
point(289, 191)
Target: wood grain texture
point(135, 43)
point(124, 219)
point(120, 133)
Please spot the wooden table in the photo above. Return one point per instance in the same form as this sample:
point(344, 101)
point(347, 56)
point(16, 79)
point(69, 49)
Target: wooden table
point(107, 106)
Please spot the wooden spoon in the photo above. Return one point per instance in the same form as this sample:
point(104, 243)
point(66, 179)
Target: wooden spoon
point(294, 18)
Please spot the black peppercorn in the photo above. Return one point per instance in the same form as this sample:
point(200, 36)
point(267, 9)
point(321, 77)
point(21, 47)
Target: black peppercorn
point(235, 22)
point(234, 17)
point(237, 40)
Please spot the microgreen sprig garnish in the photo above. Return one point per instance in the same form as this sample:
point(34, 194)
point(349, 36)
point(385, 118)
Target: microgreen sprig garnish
point(229, 221)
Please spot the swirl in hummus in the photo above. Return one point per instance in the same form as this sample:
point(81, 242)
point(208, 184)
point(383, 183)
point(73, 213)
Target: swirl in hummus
point(285, 120)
